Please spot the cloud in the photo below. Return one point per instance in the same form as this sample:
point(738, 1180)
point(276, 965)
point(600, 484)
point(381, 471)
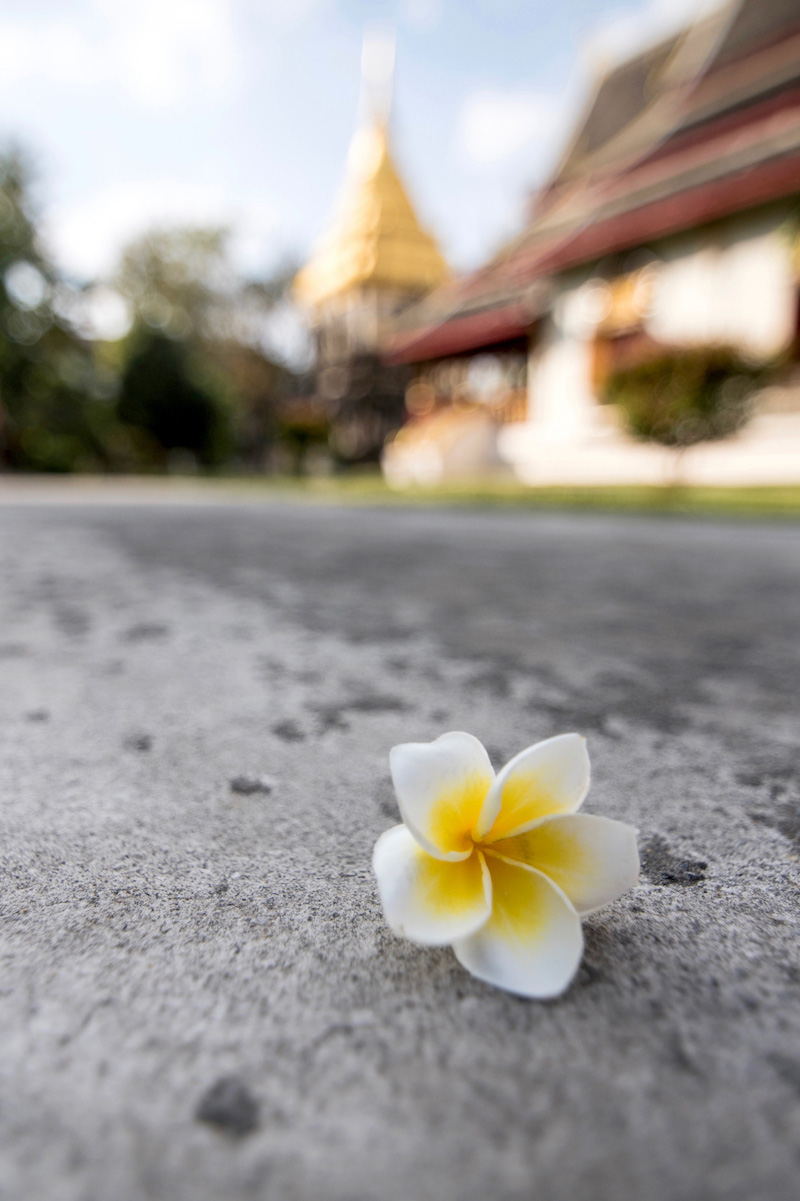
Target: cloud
point(59, 51)
point(422, 15)
point(87, 238)
point(494, 125)
point(163, 48)
point(289, 12)
point(158, 51)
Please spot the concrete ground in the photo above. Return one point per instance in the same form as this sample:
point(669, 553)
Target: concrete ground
point(199, 1000)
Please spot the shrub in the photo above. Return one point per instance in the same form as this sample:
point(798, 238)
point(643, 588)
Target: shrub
point(681, 397)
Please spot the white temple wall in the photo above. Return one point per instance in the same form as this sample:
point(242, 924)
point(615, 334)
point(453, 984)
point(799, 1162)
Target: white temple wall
point(734, 285)
point(560, 396)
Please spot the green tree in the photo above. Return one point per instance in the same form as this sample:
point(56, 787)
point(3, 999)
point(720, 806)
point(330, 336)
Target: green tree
point(52, 415)
point(163, 397)
point(184, 290)
point(178, 280)
point(183, 282)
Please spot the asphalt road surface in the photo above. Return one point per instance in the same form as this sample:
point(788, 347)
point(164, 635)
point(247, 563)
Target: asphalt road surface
point(199, 1000)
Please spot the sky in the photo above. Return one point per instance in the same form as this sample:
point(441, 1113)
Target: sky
point(161, 112)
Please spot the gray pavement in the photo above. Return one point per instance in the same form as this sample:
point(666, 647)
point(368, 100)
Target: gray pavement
point(198, 996)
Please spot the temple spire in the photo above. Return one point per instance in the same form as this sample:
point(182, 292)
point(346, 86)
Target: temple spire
point(377, 75)
point(375, 239)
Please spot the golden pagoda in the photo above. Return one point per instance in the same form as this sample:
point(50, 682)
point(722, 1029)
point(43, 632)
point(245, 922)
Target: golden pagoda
point(375, 260)
point(376, 241)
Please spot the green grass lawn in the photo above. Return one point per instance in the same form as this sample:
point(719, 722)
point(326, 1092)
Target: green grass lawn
point(370, 489)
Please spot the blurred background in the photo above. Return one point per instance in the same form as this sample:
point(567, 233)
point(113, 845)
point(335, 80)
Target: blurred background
point(555, 245)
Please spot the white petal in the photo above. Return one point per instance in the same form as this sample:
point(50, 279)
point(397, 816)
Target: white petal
point(532, 944)
point(550, 777)
point(594, 860)
point(441, 787)
point(427, 900)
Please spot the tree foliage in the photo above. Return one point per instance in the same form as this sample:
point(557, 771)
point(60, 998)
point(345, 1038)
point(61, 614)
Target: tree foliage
point(198, 377)
point(183, 281)
point(680, 397)
point(177, 280)
point(194, 381)
point(53, 416)
point(162, 396)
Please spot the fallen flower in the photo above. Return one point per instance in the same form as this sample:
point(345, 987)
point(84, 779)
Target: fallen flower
point(501, 867)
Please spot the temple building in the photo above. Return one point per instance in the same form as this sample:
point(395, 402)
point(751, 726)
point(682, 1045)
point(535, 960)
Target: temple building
point(374, 261)
point(671, 221)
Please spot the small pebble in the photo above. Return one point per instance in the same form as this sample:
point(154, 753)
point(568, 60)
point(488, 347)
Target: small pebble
point(249, 785)
point(145, 630)
point(139, 742)
point(289, 731)
point(229, 1105)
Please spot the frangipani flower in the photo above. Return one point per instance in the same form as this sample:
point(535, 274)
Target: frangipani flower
point(501, 867)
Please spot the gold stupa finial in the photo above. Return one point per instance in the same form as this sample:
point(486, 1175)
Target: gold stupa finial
point(375, 239)
point(377, 75)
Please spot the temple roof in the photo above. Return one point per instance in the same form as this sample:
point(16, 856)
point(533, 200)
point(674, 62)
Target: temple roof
point(375, 239)
point(715, 131)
